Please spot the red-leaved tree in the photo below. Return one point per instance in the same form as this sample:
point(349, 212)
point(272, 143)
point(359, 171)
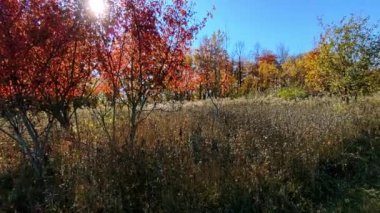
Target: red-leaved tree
point(142, 49)
point(46, 58)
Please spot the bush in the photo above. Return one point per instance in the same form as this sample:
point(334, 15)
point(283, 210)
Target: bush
point(291, 93)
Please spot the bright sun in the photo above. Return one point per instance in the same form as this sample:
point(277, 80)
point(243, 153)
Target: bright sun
point(97, 6)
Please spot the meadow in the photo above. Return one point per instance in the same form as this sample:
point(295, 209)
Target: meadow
point(252, 154)
point(93, 116)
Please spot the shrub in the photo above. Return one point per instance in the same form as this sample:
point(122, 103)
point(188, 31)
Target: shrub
point(291, 93)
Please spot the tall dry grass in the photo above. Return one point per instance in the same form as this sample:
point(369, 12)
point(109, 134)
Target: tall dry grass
point(242, 155)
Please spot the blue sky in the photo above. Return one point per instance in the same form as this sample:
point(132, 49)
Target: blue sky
point(293, 23)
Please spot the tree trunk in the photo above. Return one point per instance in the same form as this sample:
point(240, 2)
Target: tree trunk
point(346, 96)
point(133, 126)
point(113, 120)
point(61, 113)
point(240, 73)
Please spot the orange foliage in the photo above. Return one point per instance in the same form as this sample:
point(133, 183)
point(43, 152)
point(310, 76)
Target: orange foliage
point(268, 58)
point(147, 50)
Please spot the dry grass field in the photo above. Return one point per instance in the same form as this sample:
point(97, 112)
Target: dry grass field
point(258, 154)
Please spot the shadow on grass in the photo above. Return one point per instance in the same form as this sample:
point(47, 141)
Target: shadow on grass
point(171, 178)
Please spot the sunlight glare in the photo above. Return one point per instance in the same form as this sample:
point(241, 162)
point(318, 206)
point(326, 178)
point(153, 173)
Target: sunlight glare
point(97, 6)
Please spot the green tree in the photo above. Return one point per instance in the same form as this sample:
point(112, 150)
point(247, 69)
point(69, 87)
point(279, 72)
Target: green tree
point(347, 56)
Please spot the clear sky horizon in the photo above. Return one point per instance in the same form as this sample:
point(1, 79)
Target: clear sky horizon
point(293, 23)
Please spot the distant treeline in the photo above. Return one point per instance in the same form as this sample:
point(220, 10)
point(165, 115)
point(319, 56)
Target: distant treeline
point(345, 62)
